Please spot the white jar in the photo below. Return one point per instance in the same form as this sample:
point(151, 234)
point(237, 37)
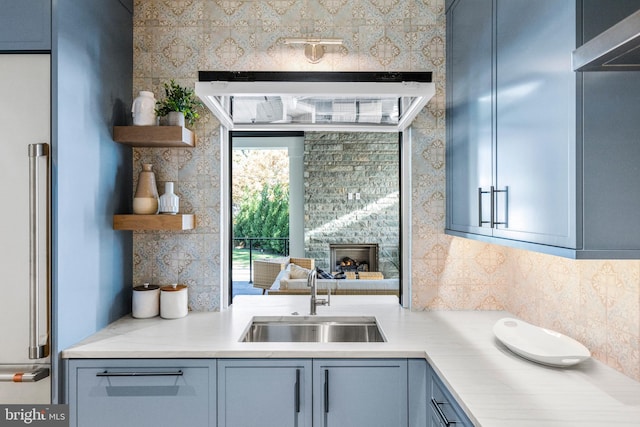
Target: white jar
point(143, 109)
point(174, 301)
point(145, 301)
point(169, 202)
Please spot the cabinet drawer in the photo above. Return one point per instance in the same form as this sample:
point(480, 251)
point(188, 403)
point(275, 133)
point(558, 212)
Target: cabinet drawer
point(442, 406)
point(142, 393)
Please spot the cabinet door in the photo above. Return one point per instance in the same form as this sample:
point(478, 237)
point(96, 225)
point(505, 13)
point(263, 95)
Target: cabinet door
point(359, 393)
point(264, 393)
point(417, 382)
point(536, 121)
point(142, 393)
point(469, 114)
point(25, 25)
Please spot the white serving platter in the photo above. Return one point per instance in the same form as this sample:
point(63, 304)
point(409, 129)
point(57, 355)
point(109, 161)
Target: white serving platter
point(538, 344)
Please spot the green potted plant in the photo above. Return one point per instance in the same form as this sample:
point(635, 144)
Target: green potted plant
point(179, 103)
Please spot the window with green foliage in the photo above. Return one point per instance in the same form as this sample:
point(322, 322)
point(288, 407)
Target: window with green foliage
point(264, 214)
point(261, 197)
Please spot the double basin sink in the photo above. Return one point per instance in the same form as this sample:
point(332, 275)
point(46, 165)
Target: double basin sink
point(313, 329)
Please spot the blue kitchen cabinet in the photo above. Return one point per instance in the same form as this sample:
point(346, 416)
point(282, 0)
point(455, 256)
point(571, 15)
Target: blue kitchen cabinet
point(443, 410)
point(563, 149)
point(141, 392)
point(25, 25)
point(359, 392)
point(535, 119)
point(430, 402)
point(264, 393)
point(469, 114)
point(509, 121)
point(417, 385)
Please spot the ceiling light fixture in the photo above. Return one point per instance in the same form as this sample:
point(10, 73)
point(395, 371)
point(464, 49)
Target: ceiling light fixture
point(313, 47)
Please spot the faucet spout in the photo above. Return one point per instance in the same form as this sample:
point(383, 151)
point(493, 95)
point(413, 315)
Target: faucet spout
point(312, 282)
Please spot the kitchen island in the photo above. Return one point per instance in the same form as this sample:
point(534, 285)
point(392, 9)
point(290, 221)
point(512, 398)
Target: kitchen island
point(494, 387)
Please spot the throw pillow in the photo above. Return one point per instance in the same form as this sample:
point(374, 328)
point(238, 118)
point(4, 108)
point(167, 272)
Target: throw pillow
point(297, 272)
point(340, 275)
point(323, 274)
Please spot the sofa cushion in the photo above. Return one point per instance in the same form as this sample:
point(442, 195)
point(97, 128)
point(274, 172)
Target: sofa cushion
point(287, 283)
point(297, 272)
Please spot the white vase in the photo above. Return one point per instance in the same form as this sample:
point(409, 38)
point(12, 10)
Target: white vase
point(169, 202)
point(176, 118)
point(143, 109)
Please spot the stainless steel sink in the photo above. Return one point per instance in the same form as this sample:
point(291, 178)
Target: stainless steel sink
point(313, 329)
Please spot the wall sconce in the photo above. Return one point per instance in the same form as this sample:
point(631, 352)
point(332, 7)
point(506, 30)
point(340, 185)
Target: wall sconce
point(313, 48)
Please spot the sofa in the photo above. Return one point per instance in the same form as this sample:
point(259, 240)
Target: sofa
point(284, 284)
point(265, 271)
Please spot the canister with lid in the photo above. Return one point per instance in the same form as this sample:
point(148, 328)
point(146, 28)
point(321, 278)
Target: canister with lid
point(174, 301)
point(145, 301)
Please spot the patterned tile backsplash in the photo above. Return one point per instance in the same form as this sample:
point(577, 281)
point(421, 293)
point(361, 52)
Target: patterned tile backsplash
point(596, 302)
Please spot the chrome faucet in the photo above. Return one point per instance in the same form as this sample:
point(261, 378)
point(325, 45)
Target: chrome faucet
point(312, 282)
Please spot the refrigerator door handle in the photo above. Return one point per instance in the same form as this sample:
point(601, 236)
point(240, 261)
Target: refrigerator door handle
point(25, 377)
point(36, 151)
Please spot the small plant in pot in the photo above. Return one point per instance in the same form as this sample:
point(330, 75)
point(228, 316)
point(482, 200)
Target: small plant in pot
point(179, 104)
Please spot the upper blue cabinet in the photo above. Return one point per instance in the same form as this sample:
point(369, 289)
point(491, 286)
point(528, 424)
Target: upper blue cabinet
point(539, 156)
point(25, 25)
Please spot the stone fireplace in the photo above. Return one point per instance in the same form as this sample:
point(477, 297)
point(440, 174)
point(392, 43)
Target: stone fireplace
point(353, 257)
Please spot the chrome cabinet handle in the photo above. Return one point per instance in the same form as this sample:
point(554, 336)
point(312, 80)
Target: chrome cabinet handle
point(494, 202)
point(480, 220)
point(140, 374)
point(25, 377)
point(443, 417)
point(493, 220)
point(36, 350)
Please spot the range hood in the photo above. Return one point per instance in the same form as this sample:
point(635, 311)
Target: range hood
point(616, 49)
point(323, 101)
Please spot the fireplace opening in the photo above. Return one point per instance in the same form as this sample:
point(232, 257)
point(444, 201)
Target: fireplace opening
point(354, 257)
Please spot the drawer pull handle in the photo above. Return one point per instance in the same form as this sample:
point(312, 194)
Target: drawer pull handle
point(443, 417)
point(25, 377)
point(140, 374)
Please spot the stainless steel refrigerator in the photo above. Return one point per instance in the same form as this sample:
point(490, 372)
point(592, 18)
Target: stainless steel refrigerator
point(25, 295)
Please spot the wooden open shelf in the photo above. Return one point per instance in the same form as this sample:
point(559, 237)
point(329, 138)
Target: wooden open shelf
point(154, 136)
point(154, 222)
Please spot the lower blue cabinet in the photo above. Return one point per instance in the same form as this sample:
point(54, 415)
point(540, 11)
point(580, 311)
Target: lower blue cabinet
point(141, 392)
point(264, 393)
point(359, 392)
point(443, 408)
point(259, 393)
point(430, 402)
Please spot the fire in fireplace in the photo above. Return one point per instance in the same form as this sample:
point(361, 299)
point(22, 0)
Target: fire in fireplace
point(350, 264)
point(354, 257)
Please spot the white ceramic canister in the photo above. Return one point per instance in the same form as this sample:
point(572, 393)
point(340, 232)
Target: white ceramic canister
point(174, 301)
point(145, 301)
point(169, 203)
point(143, 109)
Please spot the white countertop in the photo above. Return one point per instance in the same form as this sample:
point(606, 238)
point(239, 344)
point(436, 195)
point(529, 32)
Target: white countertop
point(495, 387)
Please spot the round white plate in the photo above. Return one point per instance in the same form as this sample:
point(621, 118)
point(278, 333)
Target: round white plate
point(538, 344)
